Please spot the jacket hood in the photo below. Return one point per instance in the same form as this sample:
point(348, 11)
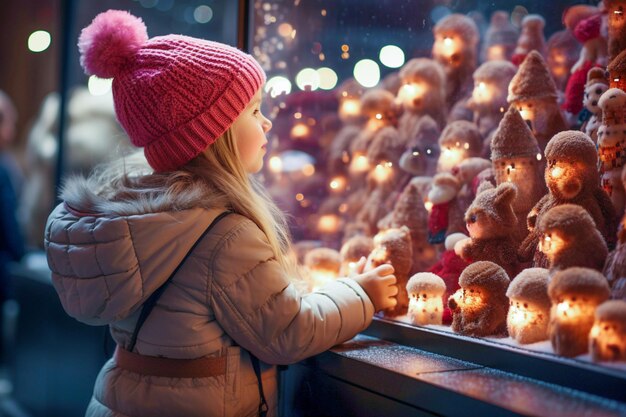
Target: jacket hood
point(107, 257)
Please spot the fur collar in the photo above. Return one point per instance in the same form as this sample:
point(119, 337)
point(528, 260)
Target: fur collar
point(81, 194)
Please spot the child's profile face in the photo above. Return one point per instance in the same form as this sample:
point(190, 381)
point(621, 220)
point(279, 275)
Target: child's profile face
point(249, 130)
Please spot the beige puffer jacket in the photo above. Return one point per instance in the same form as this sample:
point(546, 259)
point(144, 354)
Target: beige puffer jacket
point(230, 292)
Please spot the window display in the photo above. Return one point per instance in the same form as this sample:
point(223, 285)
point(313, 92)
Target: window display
point(458, 134)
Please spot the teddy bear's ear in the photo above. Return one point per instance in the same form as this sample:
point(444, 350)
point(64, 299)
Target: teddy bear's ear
point(505, 193)
point(484, 186)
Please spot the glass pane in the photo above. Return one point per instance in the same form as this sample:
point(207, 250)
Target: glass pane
point(386, 114)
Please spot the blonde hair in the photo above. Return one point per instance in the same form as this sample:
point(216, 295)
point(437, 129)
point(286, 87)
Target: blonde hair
point(218, 179)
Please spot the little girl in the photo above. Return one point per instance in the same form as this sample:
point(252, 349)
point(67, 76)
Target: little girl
point(187, 260)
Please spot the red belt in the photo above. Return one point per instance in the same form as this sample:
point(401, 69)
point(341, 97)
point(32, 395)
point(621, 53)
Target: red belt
point(167, 367)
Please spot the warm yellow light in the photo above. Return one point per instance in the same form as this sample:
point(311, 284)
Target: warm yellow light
point(328, 223)
point(409, 92)
point(275, 164)
point(299, 196)
point(556, 172)
point(284, 29)
point(299, 131)
point(350, 107)
point(428, 205)
point(338, 184)
point(379, 116)
point(359, 164)
point(383, 172)
point(308, 170)
point(448, 42)
point(539, 157)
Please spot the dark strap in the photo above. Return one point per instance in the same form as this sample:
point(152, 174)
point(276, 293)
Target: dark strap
point(149, 304)
point(257, 371)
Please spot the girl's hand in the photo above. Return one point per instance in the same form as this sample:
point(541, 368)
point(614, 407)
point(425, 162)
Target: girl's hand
point(379, 284)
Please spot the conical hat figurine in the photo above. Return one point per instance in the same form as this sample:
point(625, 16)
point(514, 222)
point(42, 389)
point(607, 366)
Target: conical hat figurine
point(488, 101)
point(533, 92)
point(612, 145)
point(516, 158)
point(456, 49)
point(500, 38)
point(531, 38)
point(563, 51)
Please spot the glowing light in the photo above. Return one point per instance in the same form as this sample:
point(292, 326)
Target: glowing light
point(277, 85)
point(359, 164)
point(448, 42)
point(350, 107)
point(99, 86)
point(379, 116)
point(284, 30)
point(39, 41)
point(383, 172)
point(391, 56)
point(328, 223)
point(300, 131)
point(337, 184)
point(409, 92)
point(275, 164)
point(308, 170)
point(556, 172)
point(308, 79)
point(299, 196)
point(428, 205)
point(328, 78)
point(367, 73)
point(539, 157)
point(203, 14)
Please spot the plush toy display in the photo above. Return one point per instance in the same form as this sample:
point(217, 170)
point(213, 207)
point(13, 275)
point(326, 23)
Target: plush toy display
point(446, 215)
point(422, 149)
point(517, 159)
point(352, 250)
point(596, 85)
point(615, 266)
point(575, 293)
point(612, 145)
point(455, 48)
point(584, 22)
point(615, 10)
point(531, 38)
point(323, 265)
point(533, 92)
point(423, 92)
point(492, 226)
point(488, 101)
point(607, 340)
point(500, 38)
point(458, 141)
point(572, 177)
point(569, 237)
point(563, 51)
point(425, 303)
point(467, 172)
point(480, 306)
point(393, 246)
point(529, 306)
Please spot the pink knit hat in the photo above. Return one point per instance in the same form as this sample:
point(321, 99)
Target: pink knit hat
point(174, 95)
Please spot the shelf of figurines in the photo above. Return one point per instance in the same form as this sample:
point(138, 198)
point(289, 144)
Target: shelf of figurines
point(536, 360)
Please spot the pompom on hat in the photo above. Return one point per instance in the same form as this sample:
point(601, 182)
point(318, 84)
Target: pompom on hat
point(174, 95)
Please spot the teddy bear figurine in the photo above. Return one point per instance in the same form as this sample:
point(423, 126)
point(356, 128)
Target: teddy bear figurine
point(480, 306)
point(393, 246)
point(575, 293)
point(569, 237)
point(607, 339)
point(571, 175)
point(491, 224)
point(595, 87)
point(529, 306)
